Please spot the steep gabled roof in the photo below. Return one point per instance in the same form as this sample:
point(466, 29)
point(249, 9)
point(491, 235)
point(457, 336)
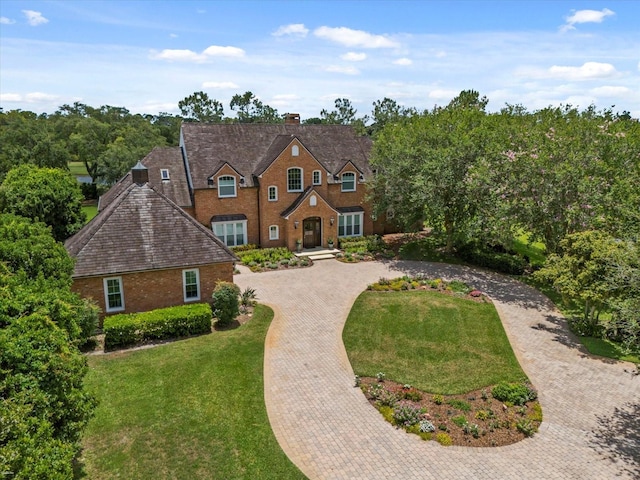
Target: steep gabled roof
point(176, 188)
point(301, 198)
point(142, 229)
point(250, 148)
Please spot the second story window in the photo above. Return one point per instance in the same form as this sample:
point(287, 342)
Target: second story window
point(294, 180)
point(273, 193)
point(295, 151)
point(226, 186)
point(349, 182)
point(317, 177)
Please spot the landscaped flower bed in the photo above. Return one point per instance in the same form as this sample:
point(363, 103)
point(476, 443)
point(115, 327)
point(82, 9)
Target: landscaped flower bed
point(496, 416)
point(359, 249)
point(268, 259)
point(453, 287)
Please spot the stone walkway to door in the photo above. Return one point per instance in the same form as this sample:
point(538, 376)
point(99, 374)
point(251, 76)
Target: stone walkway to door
point(591, 427)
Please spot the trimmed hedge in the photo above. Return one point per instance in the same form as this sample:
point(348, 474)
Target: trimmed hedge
point(173, 322)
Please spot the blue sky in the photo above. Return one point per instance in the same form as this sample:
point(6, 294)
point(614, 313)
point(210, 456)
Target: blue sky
point(299, 56)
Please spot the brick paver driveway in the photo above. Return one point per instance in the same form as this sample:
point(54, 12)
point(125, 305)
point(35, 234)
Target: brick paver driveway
point(590, 429)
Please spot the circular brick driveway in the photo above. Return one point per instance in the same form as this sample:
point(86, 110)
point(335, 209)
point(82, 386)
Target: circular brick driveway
point(591, 427)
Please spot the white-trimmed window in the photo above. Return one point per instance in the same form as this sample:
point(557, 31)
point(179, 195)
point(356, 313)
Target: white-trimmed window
point(113, 294)
point(295, 150)
point(348, 182)
point(226, 186)
point(273, 193)
point(350, 225)
point(191, 285)
point(232, 234)
point(164, 174)
point(294, 180)
point(317, 177)
point(274, 233)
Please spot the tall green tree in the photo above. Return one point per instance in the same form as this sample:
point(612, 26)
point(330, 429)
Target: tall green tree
point(49, 195)
point(28, 138)
point(250, 109)
point(425, 167)
point(198, 107)
point(387, 111)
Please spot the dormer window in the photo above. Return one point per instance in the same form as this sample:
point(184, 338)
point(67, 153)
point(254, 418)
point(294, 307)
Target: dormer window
point(349, 182)
point(226, 186)
point(295, 151)
point(294, 180)
point(164, 174)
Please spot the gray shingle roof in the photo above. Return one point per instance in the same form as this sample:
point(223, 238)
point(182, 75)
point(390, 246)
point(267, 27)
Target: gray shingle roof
point(176, 188)
point(142, 229)
point(250, 148)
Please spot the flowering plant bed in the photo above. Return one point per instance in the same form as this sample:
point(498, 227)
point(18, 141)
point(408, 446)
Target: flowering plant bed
point(453, 287)
point(482, 418)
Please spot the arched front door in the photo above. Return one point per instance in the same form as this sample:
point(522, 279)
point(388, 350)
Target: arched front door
point(312, 228)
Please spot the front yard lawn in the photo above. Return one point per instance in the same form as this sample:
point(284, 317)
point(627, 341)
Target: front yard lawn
point(190, 409)
point(440, 366)
point(435, 342)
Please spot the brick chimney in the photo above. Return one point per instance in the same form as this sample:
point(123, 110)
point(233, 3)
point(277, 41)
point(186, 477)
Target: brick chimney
point(292, 119)
point(140, 174)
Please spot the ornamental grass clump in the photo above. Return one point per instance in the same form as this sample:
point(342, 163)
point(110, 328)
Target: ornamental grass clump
point(514, 393)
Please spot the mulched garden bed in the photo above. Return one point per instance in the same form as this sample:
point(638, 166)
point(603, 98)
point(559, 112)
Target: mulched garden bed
point(474, 419)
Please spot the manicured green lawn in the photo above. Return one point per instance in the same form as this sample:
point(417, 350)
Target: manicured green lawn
point(609, 349)
point(78, 168)
point(190, 409)
point(437, 343)
point(536, 251)
point(90, 211)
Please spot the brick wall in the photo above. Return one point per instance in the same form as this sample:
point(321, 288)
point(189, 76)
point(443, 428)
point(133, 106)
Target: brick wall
point(145, 291)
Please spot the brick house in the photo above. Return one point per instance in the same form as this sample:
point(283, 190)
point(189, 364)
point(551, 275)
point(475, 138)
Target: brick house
point(143, 251)
point(269, 185)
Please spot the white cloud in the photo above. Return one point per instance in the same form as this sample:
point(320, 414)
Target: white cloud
point(6, 21)
point(34, 18)
point(10, 97)
point(221, 85)
point(177, 55)
point(441, 54)
point(586, 16)
point(346, 69)
point(354, 38)
point(403, 61)
point(587, 71)
point(217, 51)
point(37, 97)
point(295, 29)
point(610, 91)
point(354, 56)
point(442, 94)
point(173, 35)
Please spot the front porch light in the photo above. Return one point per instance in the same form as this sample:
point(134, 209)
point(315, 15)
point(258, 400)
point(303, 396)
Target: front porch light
point(331, 221)
point(295, 224)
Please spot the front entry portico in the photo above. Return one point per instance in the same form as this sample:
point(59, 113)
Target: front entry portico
point(312, 232)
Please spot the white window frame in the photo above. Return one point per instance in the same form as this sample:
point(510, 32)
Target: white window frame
point(295, 151)
point(233, 234)
point(313, 177)
point(275, 191)
point(164, 174)
point(184, 284)
point(105, 283)
point(274, 232)
point(343, 189)
point(289, 170)
point(226, 177)
point(346, 221)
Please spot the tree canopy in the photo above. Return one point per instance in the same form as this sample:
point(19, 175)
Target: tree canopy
point(49, 195)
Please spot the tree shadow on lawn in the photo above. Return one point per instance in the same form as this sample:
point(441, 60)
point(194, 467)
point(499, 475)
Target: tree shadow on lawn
point(617, 438)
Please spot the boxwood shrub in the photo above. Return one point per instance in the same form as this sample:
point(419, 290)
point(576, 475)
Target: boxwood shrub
point(132, 328)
